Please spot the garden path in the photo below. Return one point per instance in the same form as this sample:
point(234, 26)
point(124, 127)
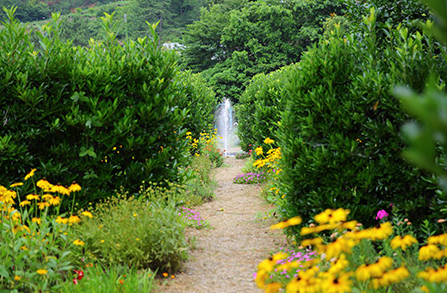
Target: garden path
point(227, 254)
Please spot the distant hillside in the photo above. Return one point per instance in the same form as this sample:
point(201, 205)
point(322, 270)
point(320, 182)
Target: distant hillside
point(81, 17)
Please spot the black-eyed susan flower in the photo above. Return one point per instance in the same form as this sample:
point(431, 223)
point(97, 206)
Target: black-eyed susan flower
point(32, 196)
point(434, 275)
point(30, 174)
point(337, 284)
point(55, 201)
point(390, 277)
point(367, 271)
point(16, 184)
point(74, 187)
point(87, 214)
point(273, 287)
point(259, 151)
point(78, 242)
point(430, 251)
point(74, 219)
point(404, 242)
point(312, 242)
point(438, 239)
point(44, 184)
point(339, 265)
point(36, 220)
point(42, 205)
point(24, 203)
point(61, 220)
point(42, 271)
point(290, 222)
point(268, 140)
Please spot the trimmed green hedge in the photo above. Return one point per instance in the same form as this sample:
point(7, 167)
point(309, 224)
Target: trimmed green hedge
point(260, 107)
point(340, 133)
point(106, 116)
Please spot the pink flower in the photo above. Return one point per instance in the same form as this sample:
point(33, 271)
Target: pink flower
point(381, 214)
point(75, 281)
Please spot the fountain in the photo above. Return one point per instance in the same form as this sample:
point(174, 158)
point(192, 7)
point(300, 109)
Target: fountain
point(225, 126)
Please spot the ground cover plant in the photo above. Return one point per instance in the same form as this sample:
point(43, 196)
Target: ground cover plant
point(355, 259)
point(249, 178)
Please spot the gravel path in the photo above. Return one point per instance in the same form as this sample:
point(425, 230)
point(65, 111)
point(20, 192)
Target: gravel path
point(227, 255)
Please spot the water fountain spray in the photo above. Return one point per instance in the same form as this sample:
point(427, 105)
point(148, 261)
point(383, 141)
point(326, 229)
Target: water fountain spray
point(224, 121)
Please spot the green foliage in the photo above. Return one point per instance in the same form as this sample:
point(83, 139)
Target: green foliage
point(340, 135)
point(106, 117)
point(200, 187)
point(113, 280)
point(24, 251)
point(260, 107)
point(231, 44)
point(427, 135)
point(141, 232)
point(199, 99)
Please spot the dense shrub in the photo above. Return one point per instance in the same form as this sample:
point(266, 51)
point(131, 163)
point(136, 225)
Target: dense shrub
point(340, 134)
point(260, 107)
point(106, 116)
point(141, 232)
point(199, 99)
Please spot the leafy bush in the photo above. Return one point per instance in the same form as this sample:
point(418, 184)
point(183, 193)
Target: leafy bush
point(199, 99)
point(260, 107)
point(340, 134)
point(105, 116)
point(135, 231)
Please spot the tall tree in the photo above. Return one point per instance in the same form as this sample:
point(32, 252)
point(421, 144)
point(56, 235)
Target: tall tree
point(254, 37)
point(151, 11)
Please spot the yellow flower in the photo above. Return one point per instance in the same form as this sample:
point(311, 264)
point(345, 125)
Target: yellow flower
point(290, 222)
point(47, 196)
point(430, 251)
point(17, 278)
point(24, 203)
point(42, 271)
point(32, 196)
point(87, 214)
point(55, 201)
point(30, 174)
point(339, 265)
point(340, 284)
point(365, 272)
point(36, 220)
point(438, 239)
point(43, 205)
point(61, 189)
point(74, 220)
point(259, 151)
point(309, 242)
point(404, 242)
point(78, 242)
point(273, 287)
point(44, 184)
point(268, 140)
point(74, 187)
point(332, 216)
point(61, 220)
point(16, 184)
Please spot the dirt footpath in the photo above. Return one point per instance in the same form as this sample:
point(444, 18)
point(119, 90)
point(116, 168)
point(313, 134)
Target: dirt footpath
point(227, 255)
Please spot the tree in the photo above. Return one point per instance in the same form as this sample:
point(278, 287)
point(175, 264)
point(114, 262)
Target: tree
point(151, 11)
point(256, 37)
